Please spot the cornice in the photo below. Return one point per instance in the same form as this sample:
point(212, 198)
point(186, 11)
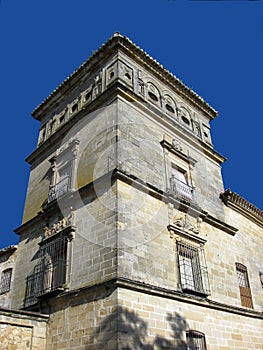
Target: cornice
point(117, 174)
point(183, 297)
point(118, 41)
point(24, 314)
point(8, 250)
point(108, 286)
point(242, 206)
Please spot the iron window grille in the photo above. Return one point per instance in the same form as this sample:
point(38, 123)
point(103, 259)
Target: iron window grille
point(195, 340)
point(192, 269)
point(49, 275)
point(59, 188)
point(5, 281)
point(244, 288)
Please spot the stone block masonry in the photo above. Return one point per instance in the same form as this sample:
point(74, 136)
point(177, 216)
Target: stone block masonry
point(21, 330)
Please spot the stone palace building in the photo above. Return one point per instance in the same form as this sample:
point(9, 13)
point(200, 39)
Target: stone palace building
point(129, 240)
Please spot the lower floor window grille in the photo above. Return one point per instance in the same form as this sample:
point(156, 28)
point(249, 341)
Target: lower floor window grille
point(195, 340)
point(192, 268)
point(49, 274)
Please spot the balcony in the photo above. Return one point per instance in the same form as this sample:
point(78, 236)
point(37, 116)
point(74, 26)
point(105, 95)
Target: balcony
point(181, 189)
point(45, 280)
point(59, 188)
point(49, 275)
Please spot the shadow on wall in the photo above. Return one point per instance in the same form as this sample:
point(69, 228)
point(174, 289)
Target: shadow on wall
point(125, 330)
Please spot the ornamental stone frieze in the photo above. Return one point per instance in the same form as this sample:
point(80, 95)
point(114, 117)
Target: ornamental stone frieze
point(140, 83)
point(60, 225)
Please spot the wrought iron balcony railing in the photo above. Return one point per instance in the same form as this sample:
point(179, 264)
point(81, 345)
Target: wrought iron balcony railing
point(59, 189)
point(46, 278)
point(181, 189)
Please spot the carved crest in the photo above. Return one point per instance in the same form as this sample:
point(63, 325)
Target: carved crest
point(187, 223)
point(60, 225)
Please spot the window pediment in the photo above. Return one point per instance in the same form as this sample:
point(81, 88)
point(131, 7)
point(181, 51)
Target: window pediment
point(174, 146)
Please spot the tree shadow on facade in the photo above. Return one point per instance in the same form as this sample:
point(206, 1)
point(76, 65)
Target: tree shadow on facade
point(125, 330)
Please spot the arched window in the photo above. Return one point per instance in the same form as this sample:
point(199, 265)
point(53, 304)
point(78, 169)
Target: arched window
point(195, 340)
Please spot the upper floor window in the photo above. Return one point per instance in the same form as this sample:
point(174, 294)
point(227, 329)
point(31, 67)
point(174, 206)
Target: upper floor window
point(195, 340)
point(244, 288)
point(62, 168)
point(192, 268)
point(178, 169)
point(179, 184)
point(5, 281)
point(60, 183)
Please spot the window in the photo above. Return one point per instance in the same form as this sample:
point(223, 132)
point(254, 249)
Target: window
point(5, 281)
point(192, 269)
point(49, 274)
point(62, 170)
point(244, 288)
point(195, 340)
point(61, 183)
point(179, 185)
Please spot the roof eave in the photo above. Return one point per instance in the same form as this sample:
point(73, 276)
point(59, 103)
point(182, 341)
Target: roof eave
point(138, 54)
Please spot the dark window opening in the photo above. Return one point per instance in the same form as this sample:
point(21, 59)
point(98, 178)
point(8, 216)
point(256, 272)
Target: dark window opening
point(153, 96)
point(195, 340)
point(74, 108)
point(5, 281)
point(127, 75)
point(185, 120)
point(111, 75)
point(62, 119)
point(169, 108)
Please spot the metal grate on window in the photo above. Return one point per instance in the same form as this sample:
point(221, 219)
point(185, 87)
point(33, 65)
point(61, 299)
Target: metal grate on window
point(49, 274)
point(195, 340)
point(244, 288)
point(192, 268)
point(5, 281)
point(59, 188)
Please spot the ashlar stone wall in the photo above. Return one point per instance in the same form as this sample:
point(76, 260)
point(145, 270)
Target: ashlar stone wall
point(22, 330)
point(161, 323)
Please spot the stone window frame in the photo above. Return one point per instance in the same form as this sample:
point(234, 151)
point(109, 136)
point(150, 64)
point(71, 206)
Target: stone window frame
point(175, 157)
point(195, 340)
point(244, 286)
point(54, 259)
point(5, 282)
point(192, 268)
point(186, 238)
point(65, 158)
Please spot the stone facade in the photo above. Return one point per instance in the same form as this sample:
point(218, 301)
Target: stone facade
point(7, 263)
point(22, 330)
point(128, 239)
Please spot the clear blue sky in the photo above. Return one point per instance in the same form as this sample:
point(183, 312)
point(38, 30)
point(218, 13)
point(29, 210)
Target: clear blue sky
point(214, 47)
